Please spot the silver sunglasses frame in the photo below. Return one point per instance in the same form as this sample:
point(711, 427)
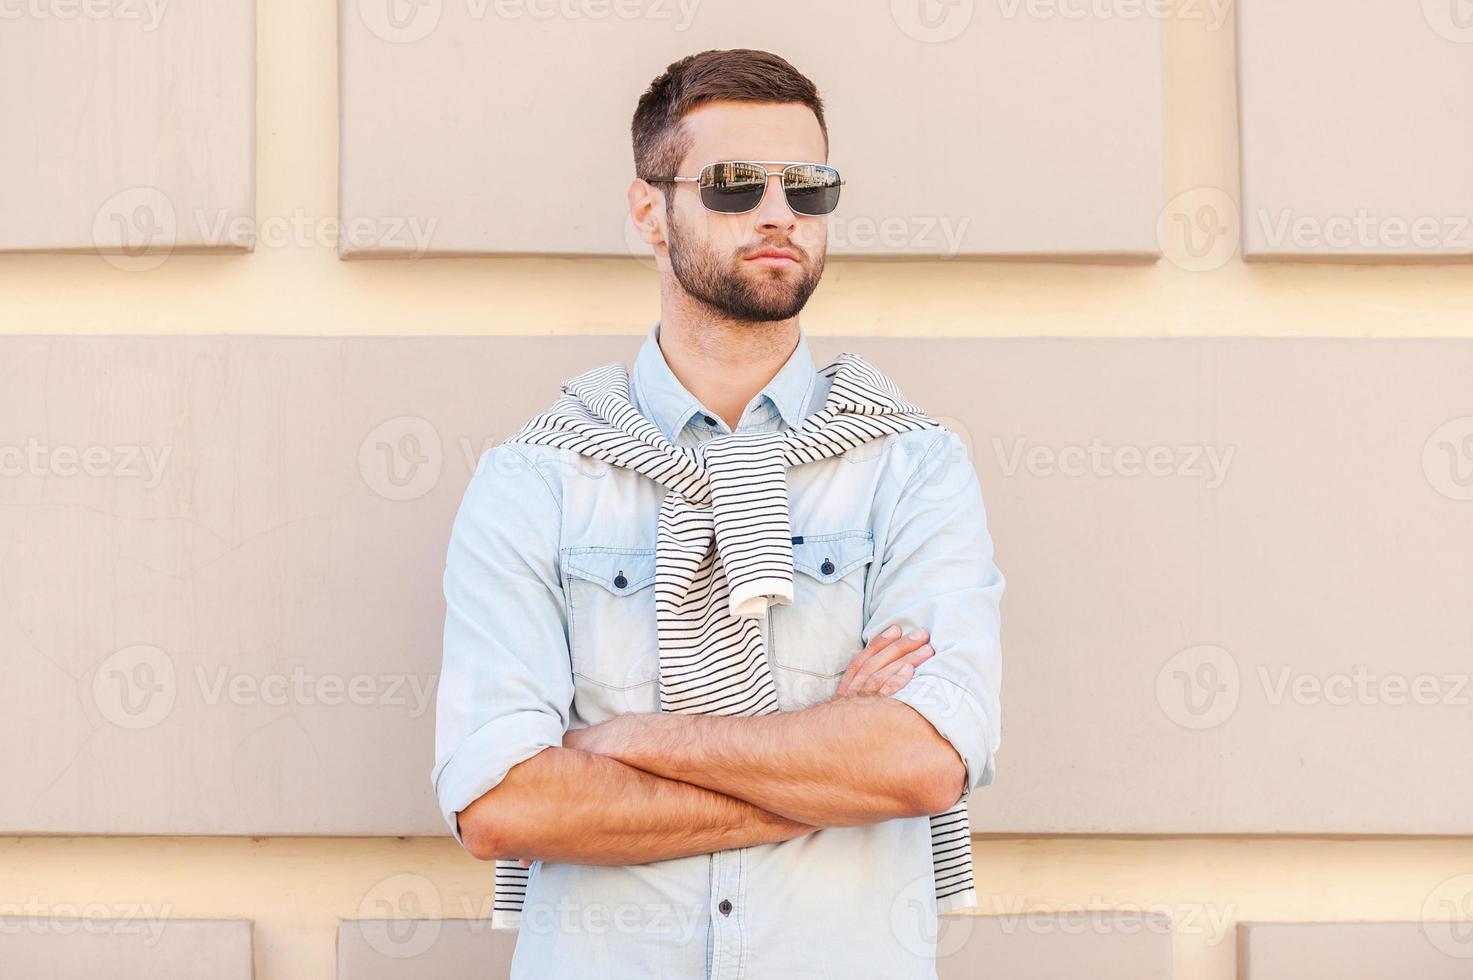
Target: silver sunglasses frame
point(788, 164)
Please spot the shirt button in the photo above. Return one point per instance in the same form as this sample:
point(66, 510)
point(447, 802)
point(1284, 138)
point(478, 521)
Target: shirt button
point(710, 420)
point(827, 567)
point(725, 907)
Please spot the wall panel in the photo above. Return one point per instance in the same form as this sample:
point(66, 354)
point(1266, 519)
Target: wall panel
point(139, 947)
point(1238, 575)
point(1005, 129)
point(1353, 950)
point(1355, 129)
point(130, 128)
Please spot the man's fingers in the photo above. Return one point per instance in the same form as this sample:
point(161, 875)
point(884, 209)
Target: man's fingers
point(863, 675)
point(882, 681)
point(881, 640)
point(899, 679)
point(880, 654)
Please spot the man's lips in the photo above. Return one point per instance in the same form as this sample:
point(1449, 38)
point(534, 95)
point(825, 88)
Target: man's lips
point(776, 259)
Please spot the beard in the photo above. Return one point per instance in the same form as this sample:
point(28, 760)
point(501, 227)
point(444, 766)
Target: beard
point(733, 292)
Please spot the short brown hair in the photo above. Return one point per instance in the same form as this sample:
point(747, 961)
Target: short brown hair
point(734, 75)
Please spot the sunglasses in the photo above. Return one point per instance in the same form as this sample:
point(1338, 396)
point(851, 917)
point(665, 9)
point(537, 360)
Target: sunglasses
point(737, 186)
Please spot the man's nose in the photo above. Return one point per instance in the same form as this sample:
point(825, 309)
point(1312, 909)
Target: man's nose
point(774, 212)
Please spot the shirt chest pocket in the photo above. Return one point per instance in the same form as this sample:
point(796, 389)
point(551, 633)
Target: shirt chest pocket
point(814, 640)
point(613, 638)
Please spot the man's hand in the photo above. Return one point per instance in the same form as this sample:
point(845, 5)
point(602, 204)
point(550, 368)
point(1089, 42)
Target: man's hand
point(645, 739)
point(601, 738)
point(886, 665)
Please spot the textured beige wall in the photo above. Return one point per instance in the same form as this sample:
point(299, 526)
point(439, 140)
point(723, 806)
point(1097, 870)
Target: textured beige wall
point(296, 890)
point(294, 282)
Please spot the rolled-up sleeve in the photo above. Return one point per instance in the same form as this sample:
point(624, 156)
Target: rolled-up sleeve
point(506, 685)
point(937, 571)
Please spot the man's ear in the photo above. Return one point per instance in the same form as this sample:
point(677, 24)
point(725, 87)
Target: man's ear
point(647, 211)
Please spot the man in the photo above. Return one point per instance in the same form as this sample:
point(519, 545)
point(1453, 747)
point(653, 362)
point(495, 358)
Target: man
point(790, 838)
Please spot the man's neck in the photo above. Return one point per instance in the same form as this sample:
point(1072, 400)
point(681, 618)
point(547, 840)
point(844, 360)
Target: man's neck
point(725, 363)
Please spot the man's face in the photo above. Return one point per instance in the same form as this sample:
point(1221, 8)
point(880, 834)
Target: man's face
point(714, 257)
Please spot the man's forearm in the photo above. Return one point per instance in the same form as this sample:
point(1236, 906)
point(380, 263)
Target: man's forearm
point(845, 762)
point(577, 807)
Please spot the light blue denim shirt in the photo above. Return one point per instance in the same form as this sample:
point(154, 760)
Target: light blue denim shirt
point(550, 625)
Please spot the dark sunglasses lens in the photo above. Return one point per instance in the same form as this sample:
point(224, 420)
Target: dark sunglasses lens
point(732, 188)
point(812, 189)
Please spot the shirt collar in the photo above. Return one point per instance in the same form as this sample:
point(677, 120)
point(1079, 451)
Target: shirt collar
point(668, 404)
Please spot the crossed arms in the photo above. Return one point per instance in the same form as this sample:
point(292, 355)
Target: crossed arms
point(650, 786)
point(911, 729)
